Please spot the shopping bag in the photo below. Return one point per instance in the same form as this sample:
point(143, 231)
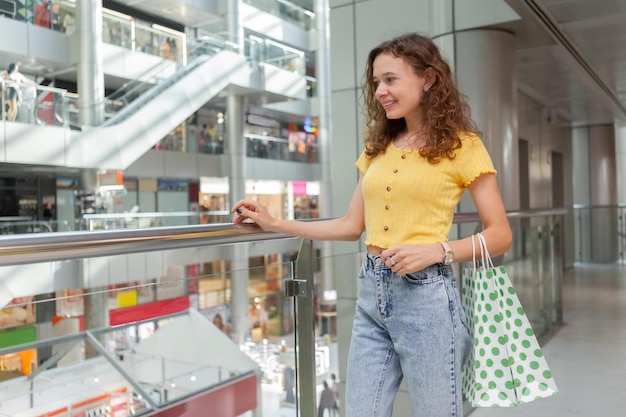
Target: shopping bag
point(506, 366)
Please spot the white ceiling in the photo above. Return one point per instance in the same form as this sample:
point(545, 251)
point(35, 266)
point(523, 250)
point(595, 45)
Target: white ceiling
point(571, 54)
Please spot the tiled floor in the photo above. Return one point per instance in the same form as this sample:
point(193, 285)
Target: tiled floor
point(588, 354)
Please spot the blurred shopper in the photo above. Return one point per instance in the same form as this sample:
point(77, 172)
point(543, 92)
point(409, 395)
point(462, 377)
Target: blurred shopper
point(327, 401)
point(68, 24)
point(56, 21)
point(47, 211)
point(13, 88)
point(42, 13)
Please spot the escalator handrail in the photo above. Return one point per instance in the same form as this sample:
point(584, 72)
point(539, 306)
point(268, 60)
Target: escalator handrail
point(155, 90)
point(137, 84)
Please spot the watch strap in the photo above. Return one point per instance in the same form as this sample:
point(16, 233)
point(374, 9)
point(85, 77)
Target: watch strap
point(446, 247)
point(448, 255)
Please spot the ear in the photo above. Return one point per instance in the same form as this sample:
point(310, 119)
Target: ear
point(429, 78)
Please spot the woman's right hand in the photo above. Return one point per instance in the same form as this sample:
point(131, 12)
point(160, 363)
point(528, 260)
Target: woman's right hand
point(253, 210)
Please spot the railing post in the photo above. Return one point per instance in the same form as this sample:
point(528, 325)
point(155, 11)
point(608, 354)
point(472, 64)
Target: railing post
point(301, 289)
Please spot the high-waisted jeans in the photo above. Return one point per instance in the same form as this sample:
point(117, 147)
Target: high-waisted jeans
point(406, 326)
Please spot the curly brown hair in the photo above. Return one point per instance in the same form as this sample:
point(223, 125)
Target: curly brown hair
point(446, 112)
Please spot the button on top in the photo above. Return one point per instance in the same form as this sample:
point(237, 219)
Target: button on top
point(386, 228)
point(395, 171)
point(403, 156)
point(386, 206)
point(388, 188)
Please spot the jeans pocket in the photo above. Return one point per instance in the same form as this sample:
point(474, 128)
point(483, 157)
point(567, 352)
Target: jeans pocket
point(421, 278)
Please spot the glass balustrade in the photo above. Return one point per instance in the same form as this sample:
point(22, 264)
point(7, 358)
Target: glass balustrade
point(39, 105)
point(170, 314)
point(120, 221)
point(600, 233)
point(287, 11)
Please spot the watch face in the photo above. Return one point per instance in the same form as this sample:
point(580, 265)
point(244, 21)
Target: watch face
point(448, 257)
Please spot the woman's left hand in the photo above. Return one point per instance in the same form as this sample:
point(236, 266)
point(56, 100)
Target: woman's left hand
point(406, 259)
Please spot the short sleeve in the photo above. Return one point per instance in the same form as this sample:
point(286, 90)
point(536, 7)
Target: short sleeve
point(363, 163)
point(474, 160)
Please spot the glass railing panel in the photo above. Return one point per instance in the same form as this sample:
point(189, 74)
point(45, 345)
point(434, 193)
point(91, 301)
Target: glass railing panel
point(534, 265)
point(210, 43)
point(67, 383)
point(299, 147)
point(271, 338)
point(118, 221)
point(33, 226)
point(233, 292)
point(167, 340)
point(287, 11)
point(269, 52)
point(121, 368)
point(117, 30)
point(41, 105)
point(154, 41)
point(600, 233)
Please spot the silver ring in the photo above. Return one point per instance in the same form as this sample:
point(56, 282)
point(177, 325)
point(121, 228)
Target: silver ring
point(392, 261)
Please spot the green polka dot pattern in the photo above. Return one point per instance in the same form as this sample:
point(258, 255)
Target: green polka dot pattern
point(506, 366)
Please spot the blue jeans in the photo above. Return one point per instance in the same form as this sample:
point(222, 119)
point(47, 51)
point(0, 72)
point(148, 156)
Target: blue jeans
point(406, 326)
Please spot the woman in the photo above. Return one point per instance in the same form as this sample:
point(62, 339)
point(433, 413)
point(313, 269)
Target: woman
point(13, 93)
point(422, 151)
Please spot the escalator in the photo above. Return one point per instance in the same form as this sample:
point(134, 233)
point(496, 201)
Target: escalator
point(137, 127)
point(144, 122)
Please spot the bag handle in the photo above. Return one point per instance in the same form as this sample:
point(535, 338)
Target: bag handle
point(487, 262)
point(473, 252)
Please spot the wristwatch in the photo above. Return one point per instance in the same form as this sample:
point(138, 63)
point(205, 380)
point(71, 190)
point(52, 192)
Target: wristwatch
point(448, 255)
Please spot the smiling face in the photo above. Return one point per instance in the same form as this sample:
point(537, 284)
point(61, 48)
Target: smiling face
point(398, 88)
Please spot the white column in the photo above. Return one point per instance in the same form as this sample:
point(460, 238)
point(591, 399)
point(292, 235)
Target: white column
point(620, 163)
point(233, 24)
point(323, 75)
point(485, 72)
point(581, 193)
point(603, 192)
point(90, 71)
point(237, 184)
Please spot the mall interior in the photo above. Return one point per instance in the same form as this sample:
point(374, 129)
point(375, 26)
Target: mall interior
point(125, 288)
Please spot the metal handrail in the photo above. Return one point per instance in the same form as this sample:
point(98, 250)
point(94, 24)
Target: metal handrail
point(46, 247)
point(60, 246)
point(517, 214)
point(594, 206)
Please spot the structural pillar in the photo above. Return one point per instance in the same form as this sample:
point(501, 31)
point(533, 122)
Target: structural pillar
point(234, 27)
point(620, 163)
point(90, 67)
point(485, 71)
point(237, 186)
point(91, 113)
point(596, 179)
point(323, 75)
point(240, 266)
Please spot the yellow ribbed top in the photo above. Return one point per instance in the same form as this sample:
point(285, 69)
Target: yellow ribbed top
point(411, 201)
